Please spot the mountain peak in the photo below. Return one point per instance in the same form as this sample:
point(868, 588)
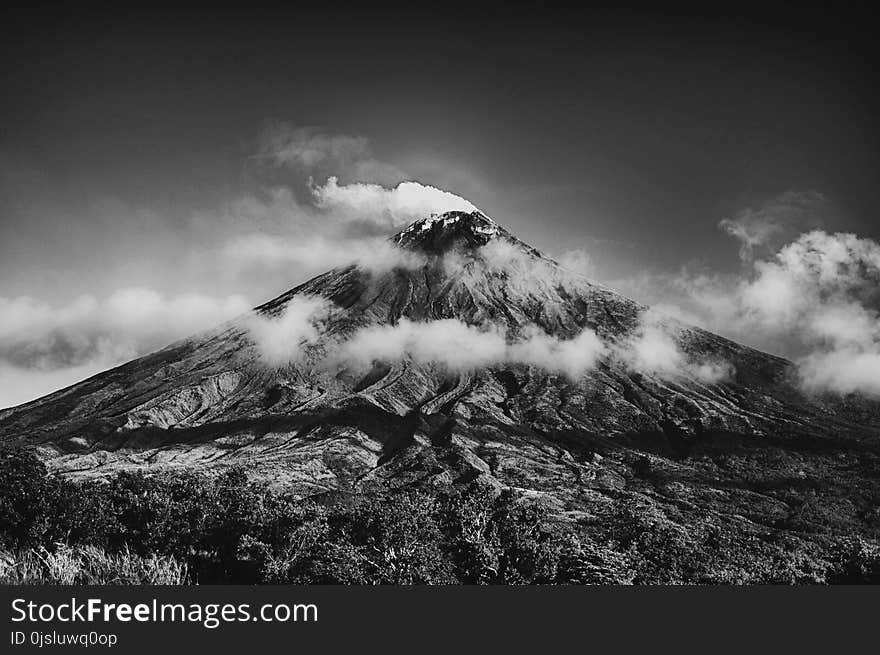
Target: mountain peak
point(440, 232)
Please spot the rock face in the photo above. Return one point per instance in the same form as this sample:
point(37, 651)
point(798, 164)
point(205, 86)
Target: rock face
point(210, 400)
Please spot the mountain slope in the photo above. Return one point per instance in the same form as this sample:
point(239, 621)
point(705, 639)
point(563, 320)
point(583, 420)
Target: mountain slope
point(212, 401)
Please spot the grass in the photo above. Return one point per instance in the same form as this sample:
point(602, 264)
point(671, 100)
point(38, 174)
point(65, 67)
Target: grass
point(88, 565)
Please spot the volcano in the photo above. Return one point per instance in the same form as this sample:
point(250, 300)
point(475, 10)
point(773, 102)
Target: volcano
point(726, 429)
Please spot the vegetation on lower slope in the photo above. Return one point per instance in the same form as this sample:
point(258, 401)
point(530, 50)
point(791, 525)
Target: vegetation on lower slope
point(193, 528)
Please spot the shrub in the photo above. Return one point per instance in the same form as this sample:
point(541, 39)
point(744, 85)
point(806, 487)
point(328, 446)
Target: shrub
point(584, 561)
point(856, 561)
point(24, 499)
point(492, 539)
point(375, 539)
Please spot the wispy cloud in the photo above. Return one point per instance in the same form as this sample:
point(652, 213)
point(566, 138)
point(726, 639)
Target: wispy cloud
point(522, 270)
point(283, 339)
point(653, 348)
point(318, 154)
point(459, 346)
point(775, 219)
point(126, 323)
point(578, 261)
point(262, 252)
point(43, 343)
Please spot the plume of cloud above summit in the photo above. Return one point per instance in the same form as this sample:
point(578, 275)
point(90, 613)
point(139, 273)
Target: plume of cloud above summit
point(395, 207)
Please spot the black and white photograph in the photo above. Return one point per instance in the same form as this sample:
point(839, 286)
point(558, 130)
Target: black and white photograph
point(437, 296)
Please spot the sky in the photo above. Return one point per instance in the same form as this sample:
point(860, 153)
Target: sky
point(163, 170)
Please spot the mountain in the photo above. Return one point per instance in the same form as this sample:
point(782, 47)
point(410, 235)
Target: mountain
point(726, 430)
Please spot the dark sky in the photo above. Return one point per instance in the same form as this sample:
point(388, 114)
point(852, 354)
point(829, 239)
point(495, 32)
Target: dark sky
point(628, 135)
point(630, 128)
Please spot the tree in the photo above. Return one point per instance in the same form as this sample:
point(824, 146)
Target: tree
point(24, 499)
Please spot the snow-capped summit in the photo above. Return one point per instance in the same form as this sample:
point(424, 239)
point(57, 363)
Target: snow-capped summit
point(439, 232)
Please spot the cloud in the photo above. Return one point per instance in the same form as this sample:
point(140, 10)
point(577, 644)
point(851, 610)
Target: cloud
point(750, 233)
point(316, 254)
point(522, 270)
point(273, 208)
point(821, 290)
point(345, 182)
point(283, 339)
point(572, 357)
point(577, 261)
point(272, 237)
point(832, 283)
point(449, 342)
point(42, 346)
point(127, 323)
point(843, 370)
point(458, 346)
point(503, 258)
point(330, 210)
point(816, 300)
point(271, 241)
point(317, 154)
point(792, 210)
point(653, 349)
point(388, 207)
